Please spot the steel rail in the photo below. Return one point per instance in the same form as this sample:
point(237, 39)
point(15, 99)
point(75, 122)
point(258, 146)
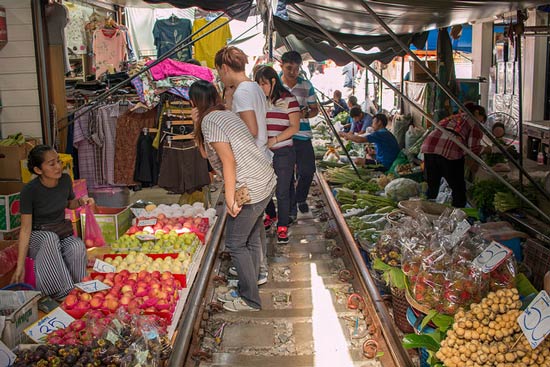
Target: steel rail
point(392, 338)
point(455, 99)
point(184, 331)
point(445, 133)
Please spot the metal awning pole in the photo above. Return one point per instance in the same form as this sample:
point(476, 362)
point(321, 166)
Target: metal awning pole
point(453, 98)
point(177, 47)
point(445, 133)
point(327, 121)
point(520, 97)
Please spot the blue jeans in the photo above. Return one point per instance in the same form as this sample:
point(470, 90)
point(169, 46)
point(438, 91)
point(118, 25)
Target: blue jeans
point(305, 169)
point(283, 164)
point(243, 240)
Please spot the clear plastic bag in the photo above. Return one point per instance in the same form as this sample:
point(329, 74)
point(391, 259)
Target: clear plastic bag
point(92, 231)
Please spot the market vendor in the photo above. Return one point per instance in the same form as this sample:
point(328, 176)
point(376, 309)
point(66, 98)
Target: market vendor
point(46, 237)
point(386, 146)
point(339, 103)
point(445, 159)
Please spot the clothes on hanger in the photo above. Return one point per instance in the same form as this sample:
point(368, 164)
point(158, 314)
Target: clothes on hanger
point(168, 32)
point(182, 169)
point(168, 68)
point(110, 50)
point(129, 127)
point(57, 18)
point(75, 31)
point(206, 48)
point(146, 171)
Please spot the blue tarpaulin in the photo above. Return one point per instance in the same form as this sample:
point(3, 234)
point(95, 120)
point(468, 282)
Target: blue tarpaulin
point(464, 43)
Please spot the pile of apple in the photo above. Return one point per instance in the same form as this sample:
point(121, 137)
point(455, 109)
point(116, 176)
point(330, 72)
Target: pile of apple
point(143, 292)
point(136, 262)
point(166, 224)
point(163, 243)
point(176, 211)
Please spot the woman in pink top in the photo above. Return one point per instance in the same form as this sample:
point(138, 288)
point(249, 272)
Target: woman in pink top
point(283, 121)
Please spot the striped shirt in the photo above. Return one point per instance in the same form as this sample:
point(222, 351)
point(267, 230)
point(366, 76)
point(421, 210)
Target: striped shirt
point(278, 118)
point(305, 94)
point(253, 168)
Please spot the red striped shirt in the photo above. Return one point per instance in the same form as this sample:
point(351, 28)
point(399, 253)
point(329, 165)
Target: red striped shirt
point(277, 118)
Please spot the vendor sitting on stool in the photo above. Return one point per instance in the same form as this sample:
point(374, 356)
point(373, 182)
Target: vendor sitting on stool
point(444, 158)
point(386, 146)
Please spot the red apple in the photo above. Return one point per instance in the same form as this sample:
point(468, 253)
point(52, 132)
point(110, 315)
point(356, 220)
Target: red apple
point(125, 300)
point(140, 291)
point(111, 304)
point(70, 301)
point(87, 297)
point(162, 305)
point(82, 305)
point(109, 282)
point(142, 274)
point(156, 274)
point(127, 288)
point(96, 303)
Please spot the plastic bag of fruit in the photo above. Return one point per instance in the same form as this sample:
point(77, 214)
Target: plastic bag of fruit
point(388, 248)
point(92, 231)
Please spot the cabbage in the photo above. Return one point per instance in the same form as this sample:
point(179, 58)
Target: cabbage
point(402, 189)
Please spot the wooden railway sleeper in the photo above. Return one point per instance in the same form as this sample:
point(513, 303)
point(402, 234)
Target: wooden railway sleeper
point(219, 280)
point(201, 355)
point(215, 307)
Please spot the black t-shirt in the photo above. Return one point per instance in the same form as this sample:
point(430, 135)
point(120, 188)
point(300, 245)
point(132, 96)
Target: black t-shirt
point(46, 204)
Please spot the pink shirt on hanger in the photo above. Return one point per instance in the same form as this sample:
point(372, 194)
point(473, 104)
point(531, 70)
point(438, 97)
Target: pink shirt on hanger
point(170, 67)
point(109, 49)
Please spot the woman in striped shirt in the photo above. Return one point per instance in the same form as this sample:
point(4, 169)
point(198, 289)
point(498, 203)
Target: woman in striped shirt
point(232, 151)
point(283, 121)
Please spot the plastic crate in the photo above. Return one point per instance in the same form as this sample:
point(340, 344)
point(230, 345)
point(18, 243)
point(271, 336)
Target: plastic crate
point(537, 258)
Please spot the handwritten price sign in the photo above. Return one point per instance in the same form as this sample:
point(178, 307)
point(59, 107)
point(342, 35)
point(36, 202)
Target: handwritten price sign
point(492, 257)
point(103, 267)
point(147, 222)
point(57, 319)
point(535, 320)
point(7, 357)
point(92, 286)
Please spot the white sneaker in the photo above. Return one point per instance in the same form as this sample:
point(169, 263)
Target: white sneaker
point(233, 271)
point(238, 305)
point(229, 296)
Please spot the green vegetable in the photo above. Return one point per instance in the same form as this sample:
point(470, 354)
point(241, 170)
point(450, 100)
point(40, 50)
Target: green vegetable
point(494, 158)
point(483, 193)
point(421, 341)
point(392, 275)
point(506, 201)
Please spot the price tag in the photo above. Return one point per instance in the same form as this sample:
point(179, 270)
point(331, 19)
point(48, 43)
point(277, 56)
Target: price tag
point(7, 357)
point(146, 237)
point(146, 222)
point(92, 286)
point(492, 257)
point(103, 267)
point(138, 212)
point(57, 319)
point(535, 320)
point(459, 232)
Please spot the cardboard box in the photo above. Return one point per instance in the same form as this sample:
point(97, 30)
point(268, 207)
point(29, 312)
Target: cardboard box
point(11, 235)
point(11, 156)
point(114, 222)
point(25, 312)
point(66, 159)
point(5, 279)
point(80, 189)
point(418, 75)
point(10, 218)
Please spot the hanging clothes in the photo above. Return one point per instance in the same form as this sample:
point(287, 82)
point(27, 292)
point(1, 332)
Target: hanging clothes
point(86, 149)
point(75, 32)
point(183, 169)
point(129, 127)
point(169, 67)
point(206, 48)
point(110, 49)
point(106, 120)
point(57, 17)
point(147, 168)
point(168, 32)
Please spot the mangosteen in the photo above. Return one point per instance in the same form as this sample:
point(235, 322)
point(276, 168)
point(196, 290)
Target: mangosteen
point(71, 358)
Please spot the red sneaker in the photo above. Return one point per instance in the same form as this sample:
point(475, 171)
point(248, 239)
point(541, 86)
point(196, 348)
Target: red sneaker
point(282, 234)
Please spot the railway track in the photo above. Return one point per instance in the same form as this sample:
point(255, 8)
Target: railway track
point(319, 307)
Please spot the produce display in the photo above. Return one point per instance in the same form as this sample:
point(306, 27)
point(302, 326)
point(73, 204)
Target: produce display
point(143, 292)
point(162, 243)
point(441, 273)
point(136, 262)
point(14, 139)
point(485, 336)
point(126, 340)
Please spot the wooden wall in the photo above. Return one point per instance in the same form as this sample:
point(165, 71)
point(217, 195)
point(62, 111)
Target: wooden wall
point(18, 74)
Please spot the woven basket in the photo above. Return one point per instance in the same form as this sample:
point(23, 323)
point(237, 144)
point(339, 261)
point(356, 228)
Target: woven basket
point(400, 306)
point(414, 304)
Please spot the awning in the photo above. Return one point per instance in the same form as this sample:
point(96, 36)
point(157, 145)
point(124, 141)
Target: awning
point(233, 8)
point(349, 17)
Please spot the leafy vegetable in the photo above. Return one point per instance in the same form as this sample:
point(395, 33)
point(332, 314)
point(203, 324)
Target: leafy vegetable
point(402, 189)
point(392, 275)
point(421, 341)
point(483, 193)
